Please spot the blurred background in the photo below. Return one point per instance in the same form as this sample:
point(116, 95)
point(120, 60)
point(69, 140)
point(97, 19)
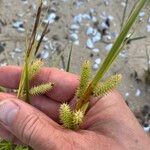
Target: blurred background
point(90, 28)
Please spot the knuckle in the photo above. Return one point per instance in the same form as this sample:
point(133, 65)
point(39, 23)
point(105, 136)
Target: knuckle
point(29, 129)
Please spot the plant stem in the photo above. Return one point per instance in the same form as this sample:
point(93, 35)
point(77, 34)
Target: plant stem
point(27, 80)
point(21, 84)
point(124, 13)
point(117, 47)
point(69, 59)
point(34, 32)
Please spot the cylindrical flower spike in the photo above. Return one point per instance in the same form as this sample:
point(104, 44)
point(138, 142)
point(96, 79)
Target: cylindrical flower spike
point(77, 118)
point(108, 85)
point(84, 79)
point(35, 68)
point(41, 89)
point(66, 116)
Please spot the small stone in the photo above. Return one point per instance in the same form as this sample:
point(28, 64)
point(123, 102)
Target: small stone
point(76, 42)
point(86, 16)
point(45, 2)
point(148, 28)
point(50, 18)
point(127, 94)
point(12, 54)
point(39, 36)
point(104, 25)
point(34, 6)
point(110, 17)
point(96, 38)
point(142, 14)
point(74, 37)
point(94, 19)
point(106, 2)
point(74, 27)
point(90, 31)
point(95, 50)
point(147, 128)
point(138, 93)
point(18, 25)
point(123, 4)
point(89, 44)
point(95, 66)
point(149, 20)
point(46, 47)
point(77, 18)
point(44, 54)
point(98, 61)
point(123, 54)
point(108, 47)
point(25, 2)
point(18, 50)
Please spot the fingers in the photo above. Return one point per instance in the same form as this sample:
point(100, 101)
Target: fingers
point(10, 76)
point(43, 103)
point(5, 134)
point(110, 109)
point(65, 83)
point(29, 125)
point(47, 106)
point(8, 136)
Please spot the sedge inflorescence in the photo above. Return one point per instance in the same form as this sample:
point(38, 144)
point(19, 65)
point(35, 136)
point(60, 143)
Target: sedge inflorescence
point(72, 119)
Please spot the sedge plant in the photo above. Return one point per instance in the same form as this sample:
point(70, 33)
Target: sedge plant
point(71, 118)
point(32, 65)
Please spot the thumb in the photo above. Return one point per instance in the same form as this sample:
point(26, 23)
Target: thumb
point(28, 124)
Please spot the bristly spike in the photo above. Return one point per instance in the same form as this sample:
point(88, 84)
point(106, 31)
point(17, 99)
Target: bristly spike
point(66, 116)
point(41, 89)
point(77, 118)
point(35, 68)
point(84, 78)
point(107, 86)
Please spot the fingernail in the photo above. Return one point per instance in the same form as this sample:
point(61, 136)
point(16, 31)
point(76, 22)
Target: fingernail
point(8, 111)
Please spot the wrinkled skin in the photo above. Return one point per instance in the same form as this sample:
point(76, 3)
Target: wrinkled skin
point(108, 125)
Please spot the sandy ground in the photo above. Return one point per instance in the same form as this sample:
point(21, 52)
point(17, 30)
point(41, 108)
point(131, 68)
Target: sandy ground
point(131, 64)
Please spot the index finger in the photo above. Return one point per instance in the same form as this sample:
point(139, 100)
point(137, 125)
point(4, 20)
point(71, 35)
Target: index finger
point(65, 84)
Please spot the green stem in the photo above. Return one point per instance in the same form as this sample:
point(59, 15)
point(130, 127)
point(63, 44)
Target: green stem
point(21, 84)
point(27, 88)
point(69, 59)
point(124, 14)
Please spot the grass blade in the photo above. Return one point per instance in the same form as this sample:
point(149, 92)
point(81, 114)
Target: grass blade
point(33, 35)
point(69, 59)
point(124, 13)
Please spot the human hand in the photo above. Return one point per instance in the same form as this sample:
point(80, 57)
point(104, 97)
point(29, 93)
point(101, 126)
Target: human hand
point(109, 124)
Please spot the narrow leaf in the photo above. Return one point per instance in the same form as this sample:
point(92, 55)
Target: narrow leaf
point(69, 59)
